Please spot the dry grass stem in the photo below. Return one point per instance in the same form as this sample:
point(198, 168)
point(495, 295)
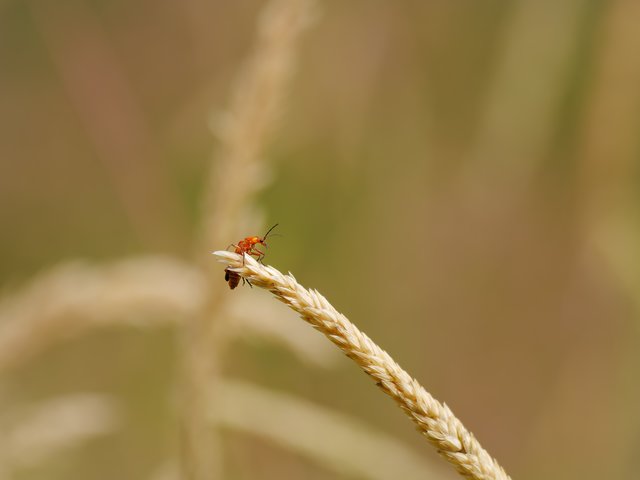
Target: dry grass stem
point(247, 126)
point(331, 439)
point(147, 292)
point(609, 131)
point(121, 134)
point(44, 429)
point(244, 131)
point(435, 420)
point(75, 297)
point(518, 120)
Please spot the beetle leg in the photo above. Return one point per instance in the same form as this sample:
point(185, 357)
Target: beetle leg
point(258, 254)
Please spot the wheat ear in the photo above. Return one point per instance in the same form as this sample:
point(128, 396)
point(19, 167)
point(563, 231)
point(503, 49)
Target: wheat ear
point(443, 430)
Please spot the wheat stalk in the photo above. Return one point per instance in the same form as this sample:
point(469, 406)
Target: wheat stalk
point(244, 132)
point(435, 420)
point(78, 296)
point(248, 125)
point(45, 429)
point(142, 292)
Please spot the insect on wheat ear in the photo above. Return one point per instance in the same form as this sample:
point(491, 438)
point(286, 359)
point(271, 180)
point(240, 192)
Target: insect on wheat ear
point(246, 246)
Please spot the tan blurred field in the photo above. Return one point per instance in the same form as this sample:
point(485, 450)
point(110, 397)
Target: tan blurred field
point(461, 179)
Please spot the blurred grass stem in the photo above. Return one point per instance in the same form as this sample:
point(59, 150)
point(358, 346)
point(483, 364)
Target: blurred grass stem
point(244, 132)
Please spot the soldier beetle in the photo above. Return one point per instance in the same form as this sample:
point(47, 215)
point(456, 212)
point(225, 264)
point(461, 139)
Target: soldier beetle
point(246, 246)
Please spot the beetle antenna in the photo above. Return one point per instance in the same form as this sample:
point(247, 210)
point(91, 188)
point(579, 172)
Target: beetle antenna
point(269, 231)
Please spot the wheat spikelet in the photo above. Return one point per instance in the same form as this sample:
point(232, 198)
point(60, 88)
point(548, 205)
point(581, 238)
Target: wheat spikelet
point(435, 420)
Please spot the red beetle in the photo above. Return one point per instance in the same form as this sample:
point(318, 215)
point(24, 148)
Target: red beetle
point(248, 245)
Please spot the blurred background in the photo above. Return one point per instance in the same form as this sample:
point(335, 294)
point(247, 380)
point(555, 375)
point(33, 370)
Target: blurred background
point(459, 178)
